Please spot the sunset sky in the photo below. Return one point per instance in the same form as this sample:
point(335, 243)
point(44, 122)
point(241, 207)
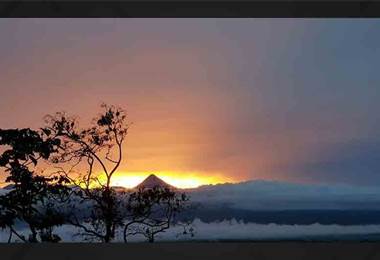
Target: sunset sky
point(218, 99)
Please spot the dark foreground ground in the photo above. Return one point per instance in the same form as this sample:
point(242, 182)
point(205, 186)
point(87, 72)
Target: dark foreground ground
point(175, 251)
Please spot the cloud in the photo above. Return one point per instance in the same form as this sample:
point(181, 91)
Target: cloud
point(355, 162)
point(276, 195)
point(234, 230)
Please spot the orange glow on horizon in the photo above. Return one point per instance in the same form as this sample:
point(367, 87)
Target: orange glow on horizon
point(181, 180)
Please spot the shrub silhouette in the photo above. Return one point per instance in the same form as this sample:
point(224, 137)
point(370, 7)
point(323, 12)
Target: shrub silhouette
point(152, 211)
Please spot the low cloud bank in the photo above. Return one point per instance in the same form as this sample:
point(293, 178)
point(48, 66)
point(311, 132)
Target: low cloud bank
point(234, 230)
point(276, 195)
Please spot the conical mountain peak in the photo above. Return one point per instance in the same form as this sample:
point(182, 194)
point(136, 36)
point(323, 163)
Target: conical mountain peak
point(153, 181)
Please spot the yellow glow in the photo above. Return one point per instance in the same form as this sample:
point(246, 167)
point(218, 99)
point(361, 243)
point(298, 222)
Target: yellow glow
point(181, 180)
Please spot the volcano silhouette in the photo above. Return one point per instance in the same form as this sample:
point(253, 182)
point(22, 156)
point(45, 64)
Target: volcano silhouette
point(153, 181)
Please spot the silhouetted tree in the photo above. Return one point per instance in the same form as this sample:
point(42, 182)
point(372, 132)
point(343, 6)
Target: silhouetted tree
point(99, 145)
point(152, 211)
point(81, 157)
point(30, 198)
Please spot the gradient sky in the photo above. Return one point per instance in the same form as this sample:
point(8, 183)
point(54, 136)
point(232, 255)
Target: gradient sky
point(284, 99)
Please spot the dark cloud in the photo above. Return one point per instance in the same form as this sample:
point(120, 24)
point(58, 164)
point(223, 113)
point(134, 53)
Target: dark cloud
point(354, 162)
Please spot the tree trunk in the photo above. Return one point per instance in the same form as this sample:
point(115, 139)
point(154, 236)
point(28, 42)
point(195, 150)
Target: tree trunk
point(10, 235)
point(109, 234)
point(33, 237)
